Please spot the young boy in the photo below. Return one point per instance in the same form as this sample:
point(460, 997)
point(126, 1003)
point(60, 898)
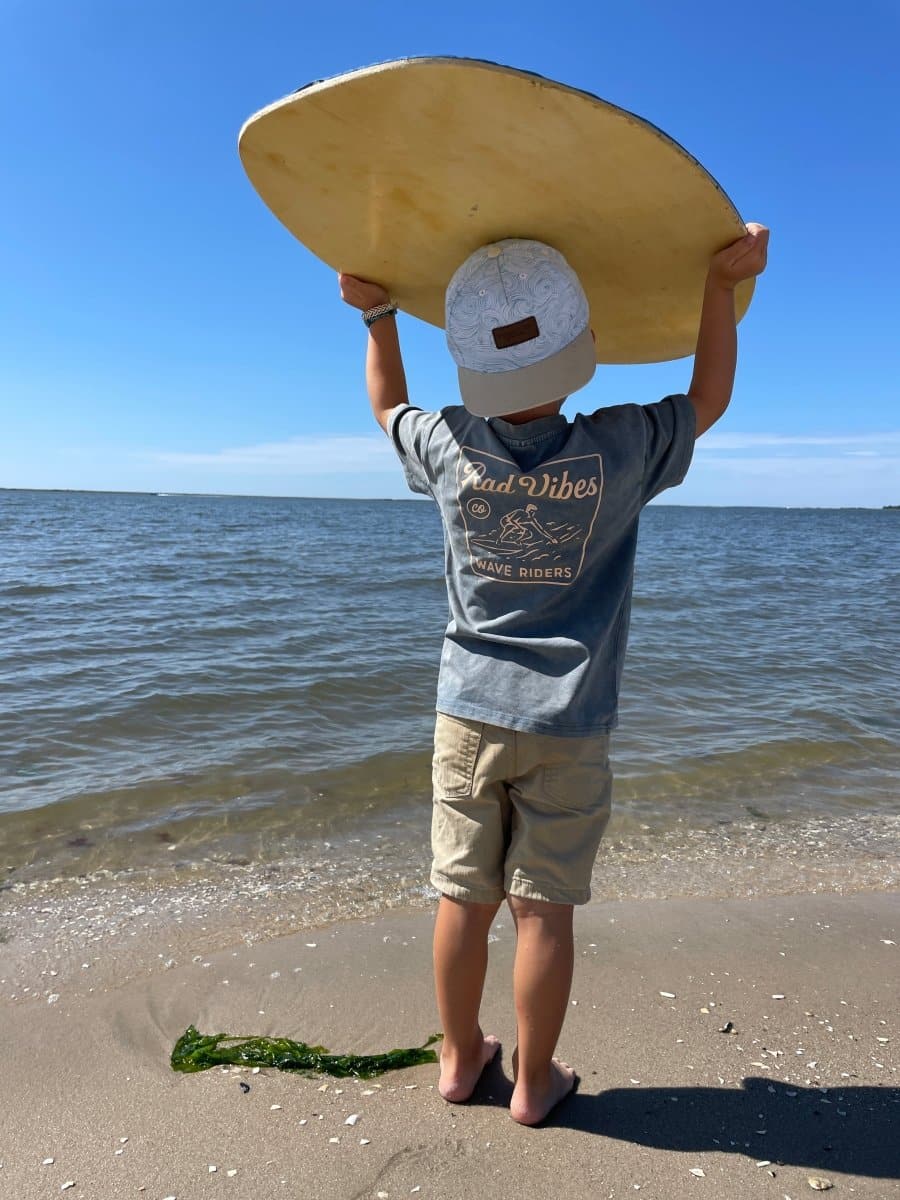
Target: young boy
point(540, 518)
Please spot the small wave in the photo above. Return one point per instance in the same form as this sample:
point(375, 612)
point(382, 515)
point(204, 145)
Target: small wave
point(36, 589)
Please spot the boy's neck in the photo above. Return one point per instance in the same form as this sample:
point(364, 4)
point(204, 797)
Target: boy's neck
point(535, 414)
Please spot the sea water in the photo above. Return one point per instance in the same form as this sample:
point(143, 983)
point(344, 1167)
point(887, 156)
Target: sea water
point(238, 693)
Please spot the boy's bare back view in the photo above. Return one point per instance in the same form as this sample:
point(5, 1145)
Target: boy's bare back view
point(540, 519)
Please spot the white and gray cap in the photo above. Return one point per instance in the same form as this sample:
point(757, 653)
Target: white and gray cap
point(518, 327)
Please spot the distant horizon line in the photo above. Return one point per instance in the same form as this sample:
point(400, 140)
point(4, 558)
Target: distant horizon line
point(405, 499)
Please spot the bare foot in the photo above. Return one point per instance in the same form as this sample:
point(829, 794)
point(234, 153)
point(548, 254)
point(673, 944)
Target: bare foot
point(531, 1106)
point(459, 1075)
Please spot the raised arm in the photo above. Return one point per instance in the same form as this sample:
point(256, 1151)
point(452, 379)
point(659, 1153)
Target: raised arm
point(385, 377)
point(716, 355)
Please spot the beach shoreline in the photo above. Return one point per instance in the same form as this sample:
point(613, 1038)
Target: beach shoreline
point(809, 983)
point(179, 905)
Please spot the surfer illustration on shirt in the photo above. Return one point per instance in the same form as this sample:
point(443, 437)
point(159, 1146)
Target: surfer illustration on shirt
point(521, 525)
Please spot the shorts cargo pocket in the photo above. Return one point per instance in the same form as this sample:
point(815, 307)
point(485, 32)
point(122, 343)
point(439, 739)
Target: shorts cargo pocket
point(583, 784)
point(456, 745)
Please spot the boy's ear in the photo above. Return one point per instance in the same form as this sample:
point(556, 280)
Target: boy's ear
point(593, 337)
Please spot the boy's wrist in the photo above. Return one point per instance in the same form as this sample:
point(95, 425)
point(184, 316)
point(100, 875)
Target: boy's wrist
point(378, 312)
point(385, 307)
point(715, 282)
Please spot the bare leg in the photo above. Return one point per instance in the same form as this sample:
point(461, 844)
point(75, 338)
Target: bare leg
point(542, 981)
point(460, 963)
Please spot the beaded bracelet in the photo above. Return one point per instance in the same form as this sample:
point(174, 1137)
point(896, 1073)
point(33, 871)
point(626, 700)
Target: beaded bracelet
point(371, 315)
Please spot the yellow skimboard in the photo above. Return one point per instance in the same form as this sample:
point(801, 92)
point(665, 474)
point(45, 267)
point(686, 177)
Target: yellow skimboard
point(397, 172)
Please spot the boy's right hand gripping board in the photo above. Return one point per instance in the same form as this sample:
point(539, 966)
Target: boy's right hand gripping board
point(397, 172)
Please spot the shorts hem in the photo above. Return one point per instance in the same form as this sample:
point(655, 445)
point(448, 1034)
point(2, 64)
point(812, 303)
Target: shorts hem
point(527, 889)
point(458, 891)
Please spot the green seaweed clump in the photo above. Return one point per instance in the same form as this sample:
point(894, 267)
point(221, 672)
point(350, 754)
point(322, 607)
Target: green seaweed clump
point(199, 1051)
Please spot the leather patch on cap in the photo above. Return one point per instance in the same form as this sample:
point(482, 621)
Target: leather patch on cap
point(517, 333)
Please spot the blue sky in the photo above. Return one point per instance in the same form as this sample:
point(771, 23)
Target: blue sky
point(159, 330)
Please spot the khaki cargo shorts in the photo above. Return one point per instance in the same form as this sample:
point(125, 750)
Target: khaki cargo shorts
point(522, 813)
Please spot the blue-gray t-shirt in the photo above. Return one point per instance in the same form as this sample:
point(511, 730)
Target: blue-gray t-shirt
point(540, 529)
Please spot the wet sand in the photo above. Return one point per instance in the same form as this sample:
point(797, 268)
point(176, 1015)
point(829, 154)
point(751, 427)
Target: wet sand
point(805, 1087)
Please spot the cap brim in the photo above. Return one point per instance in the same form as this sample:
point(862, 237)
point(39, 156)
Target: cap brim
point(499, 393)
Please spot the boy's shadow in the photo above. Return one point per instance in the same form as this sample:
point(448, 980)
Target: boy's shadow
point(847, 1129)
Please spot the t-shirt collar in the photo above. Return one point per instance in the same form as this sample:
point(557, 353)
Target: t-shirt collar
point(530, 432)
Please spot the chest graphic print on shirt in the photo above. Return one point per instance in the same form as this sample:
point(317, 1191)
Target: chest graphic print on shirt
point(528, 526)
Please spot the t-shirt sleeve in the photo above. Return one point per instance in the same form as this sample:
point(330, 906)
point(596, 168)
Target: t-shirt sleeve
point(410, 430)
point(669, 429)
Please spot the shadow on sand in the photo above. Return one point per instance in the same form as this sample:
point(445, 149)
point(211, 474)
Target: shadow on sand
point(847, 1129)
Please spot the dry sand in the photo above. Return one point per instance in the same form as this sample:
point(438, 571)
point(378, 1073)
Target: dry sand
point(807, 1086)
